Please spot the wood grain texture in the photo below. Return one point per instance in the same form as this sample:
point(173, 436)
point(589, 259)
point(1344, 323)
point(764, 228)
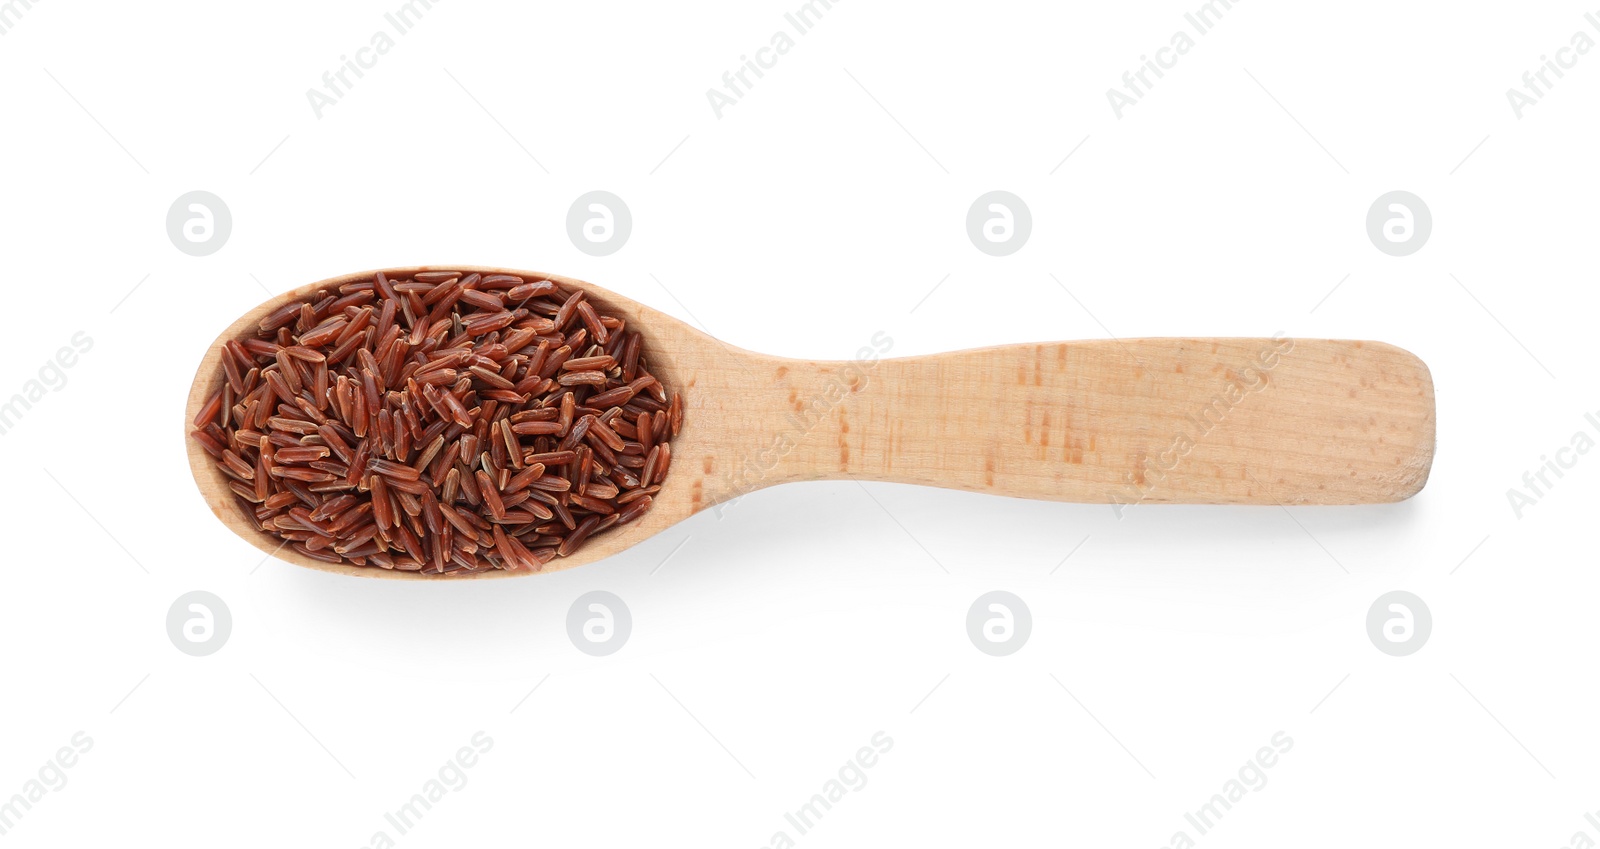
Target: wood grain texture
point(1200, 421)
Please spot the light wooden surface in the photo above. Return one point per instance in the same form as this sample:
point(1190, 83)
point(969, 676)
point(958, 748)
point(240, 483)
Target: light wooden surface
point(1126, 423)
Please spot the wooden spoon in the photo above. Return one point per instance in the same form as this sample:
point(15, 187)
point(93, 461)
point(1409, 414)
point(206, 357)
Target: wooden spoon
point(1119, 422)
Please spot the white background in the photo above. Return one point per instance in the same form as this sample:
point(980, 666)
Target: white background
point(822, 208)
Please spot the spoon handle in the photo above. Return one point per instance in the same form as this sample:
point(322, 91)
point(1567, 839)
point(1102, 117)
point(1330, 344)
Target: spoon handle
point(1199, 421)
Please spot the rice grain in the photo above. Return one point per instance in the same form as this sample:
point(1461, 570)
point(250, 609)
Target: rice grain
point(443, 423)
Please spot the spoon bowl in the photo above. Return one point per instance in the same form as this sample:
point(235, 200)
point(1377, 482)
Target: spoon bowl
point(1121, 422)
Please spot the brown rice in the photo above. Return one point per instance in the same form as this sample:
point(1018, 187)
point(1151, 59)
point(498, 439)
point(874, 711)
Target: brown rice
point(444, 423)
